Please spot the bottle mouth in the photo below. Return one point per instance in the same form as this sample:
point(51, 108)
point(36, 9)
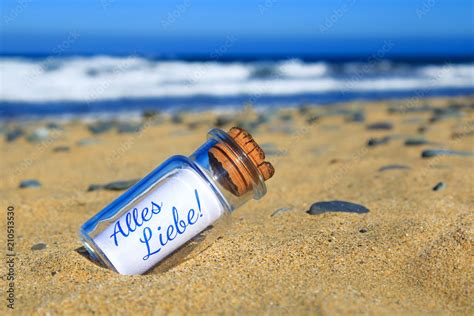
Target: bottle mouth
point(240, 157)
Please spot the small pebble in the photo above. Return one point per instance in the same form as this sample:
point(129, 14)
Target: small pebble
point(30, 183)
point(394, 167)
point(39, 246)
point(129, 127)
point(149, 114)
point(87, 141)
point(223, 120)
point(53, 125)
point(422, 129)
point(384, 126)
point(281, 210)
point(101, 127)
point(12, 135)
point(286, 117)
point(95, 187)
point(409, 109)
point(363, 230)
point(357, 117)
point(313, 119)
point(338, 111)
point(177, 118)
point(378, 141)
point(304, 109)
point(439, 186)
point(443, 114)
point(61, 149)
point(445, 152)
point(336, 206)
point(416, 141)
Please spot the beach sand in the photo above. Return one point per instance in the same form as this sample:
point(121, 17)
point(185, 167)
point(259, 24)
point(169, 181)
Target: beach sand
point(410, 254)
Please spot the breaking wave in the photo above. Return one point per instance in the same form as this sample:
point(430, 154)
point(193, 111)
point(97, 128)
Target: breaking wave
point(108, 78)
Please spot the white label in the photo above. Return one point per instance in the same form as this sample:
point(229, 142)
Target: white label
point(179, 208)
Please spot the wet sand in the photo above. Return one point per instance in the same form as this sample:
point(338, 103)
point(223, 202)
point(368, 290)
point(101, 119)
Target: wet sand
point(410, 254)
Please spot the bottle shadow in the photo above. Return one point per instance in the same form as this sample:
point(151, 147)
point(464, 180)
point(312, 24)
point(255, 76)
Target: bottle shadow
point(83, 252)
point(190, 249)
point(193, 247)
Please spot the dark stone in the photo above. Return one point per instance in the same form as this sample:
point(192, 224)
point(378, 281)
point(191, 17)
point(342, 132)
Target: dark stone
point(101, 127)
point(60, 149)
point(445, 152)
point(95, 187)
point(113, 186)
point(394, 167)
point(409, 109)
point(286, 117)
point(193, 125)
point(363, 230)
point(416, 142)
point(313, 119)
point(39, 246)
point(381, 126)
point(87, 141)
point(336, 206)
point(53, 125)
point(149, 114)
point(439, 186)
point(177, 118)
point(129, 127)
point(356, 117)
point(445, 113)
point(12, 135)
point(266, 117)
point(30, 183)
point(304, 109)
point(338, 111)
point(223, 120)
point(281, 210)
point(422, 129)
point(378, 141)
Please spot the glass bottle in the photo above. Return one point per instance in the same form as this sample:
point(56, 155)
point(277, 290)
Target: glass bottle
point(177, 201)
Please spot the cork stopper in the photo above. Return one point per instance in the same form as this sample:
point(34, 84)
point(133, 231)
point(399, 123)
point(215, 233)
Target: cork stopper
point(236, 178)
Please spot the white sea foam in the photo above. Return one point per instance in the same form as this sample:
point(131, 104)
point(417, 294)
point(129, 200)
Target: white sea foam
point(99, 78)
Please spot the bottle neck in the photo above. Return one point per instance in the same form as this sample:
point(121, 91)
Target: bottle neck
point(230, 168)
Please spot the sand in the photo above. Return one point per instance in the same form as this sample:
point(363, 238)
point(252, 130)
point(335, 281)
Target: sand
point(411, 254)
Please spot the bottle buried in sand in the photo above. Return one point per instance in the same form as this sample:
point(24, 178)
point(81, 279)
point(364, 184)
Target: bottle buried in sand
point(177, 201)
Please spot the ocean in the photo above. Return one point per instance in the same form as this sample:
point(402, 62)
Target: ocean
point(39, 86)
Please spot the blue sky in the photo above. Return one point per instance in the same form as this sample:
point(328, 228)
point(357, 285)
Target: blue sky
point(263, 25)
